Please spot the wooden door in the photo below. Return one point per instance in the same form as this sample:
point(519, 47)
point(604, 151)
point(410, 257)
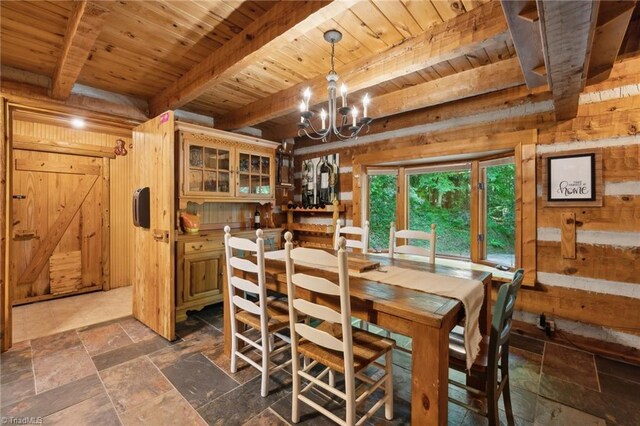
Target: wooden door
point(57, 225)
point(153, 286)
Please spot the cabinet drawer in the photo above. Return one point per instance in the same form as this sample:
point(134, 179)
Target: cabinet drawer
point(202, 246)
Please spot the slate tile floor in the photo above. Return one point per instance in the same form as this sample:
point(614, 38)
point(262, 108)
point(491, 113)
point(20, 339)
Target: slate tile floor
point(119, 372)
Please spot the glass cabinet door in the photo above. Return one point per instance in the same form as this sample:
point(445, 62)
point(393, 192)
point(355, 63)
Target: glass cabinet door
point(254, 175)
point(207, 170)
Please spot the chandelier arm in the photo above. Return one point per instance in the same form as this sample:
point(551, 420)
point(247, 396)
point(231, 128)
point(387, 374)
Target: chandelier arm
point(311, 136)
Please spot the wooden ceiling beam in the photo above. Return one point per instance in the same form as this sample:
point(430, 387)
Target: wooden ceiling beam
point(567, 29)
point(83, 28)
point(613, 20)
point(465, 84)
point(474, 82)
point(471, 31)
point(37, 97)
point(283, 22)
point(524, 25)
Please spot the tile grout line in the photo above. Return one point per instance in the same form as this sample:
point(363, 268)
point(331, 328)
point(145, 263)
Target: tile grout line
point(175, 389)
point(276, 413)
point(544, 351)
point(595, 367)
point(222, 369)
point(101, 381)
point(33, 369)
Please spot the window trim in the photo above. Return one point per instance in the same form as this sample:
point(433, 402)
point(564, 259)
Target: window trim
point(477, 167)
point(482, 208)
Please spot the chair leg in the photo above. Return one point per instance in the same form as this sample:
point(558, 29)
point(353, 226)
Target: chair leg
point(388, 387)
point(234, 342)
point(295, 387)
point(506, 394)
point(266, 343)
point(492, 409)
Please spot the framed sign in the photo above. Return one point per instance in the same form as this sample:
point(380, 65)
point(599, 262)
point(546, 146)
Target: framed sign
point(572, 179)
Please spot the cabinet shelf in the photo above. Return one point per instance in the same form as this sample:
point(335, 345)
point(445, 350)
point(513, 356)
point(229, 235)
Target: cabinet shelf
point(311, 244)
point(309, 227)
point(326, 209)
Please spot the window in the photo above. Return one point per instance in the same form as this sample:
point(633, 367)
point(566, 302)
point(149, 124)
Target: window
point(383, 186)
point(497, 213)
point(475, 195)
point(441, 195)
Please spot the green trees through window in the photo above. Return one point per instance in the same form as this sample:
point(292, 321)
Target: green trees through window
point(500, 214)
point(442, 195)
point(382, 209)
point(442, 198)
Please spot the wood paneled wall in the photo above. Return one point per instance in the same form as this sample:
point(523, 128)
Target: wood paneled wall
point(120, 254)
point(601, 286)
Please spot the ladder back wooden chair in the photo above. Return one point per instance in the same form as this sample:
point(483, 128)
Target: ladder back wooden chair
point(333, 344)
point(493, 357)
point(362, 243)
point(267, 316)
point(408, 234)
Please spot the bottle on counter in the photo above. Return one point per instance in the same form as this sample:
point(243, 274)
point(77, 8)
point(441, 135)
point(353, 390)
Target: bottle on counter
point(324, 173)
point(256, 218)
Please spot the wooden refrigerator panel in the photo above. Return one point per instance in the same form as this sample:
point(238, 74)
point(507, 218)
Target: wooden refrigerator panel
point(153, 287)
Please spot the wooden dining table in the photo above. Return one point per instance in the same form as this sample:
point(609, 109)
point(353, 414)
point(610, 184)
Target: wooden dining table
point(426, 318)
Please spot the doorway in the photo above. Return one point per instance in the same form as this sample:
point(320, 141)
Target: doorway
point(68, 223)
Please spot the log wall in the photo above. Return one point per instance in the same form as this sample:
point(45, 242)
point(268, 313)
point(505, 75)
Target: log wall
point(601, 286)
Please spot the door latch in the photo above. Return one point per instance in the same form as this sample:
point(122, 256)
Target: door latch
point(161, 235)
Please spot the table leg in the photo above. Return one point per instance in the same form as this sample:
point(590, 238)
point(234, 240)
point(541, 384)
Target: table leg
point(430, 375)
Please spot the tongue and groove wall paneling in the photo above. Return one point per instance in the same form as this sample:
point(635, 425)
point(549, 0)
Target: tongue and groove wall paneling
point(41, 129)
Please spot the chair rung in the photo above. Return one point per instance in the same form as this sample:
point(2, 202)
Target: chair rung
point(321, 409)
point(249, 360)
point(468, 388)
point(366, 416)
point(283, 337)
point(468, 407)
point(405, 350)
point(249, 341)
point(369, 391)
point(279, 367)
point(322, 384)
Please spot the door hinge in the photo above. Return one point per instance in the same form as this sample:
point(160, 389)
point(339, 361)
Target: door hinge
point(480, 237)
point(480, 186)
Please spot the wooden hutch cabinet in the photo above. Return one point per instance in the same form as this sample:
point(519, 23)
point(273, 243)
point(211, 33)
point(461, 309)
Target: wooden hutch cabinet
point(214, 167)
point(220, 175)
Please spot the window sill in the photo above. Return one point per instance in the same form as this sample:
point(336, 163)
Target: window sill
point(497, 275)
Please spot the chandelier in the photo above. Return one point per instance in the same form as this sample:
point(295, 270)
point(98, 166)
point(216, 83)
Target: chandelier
point(348, 125)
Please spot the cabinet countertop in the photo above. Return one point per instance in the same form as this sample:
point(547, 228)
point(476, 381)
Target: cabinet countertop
point(216, 234)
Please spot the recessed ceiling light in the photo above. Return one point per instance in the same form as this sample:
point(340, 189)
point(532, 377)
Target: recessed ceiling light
point(78, 123)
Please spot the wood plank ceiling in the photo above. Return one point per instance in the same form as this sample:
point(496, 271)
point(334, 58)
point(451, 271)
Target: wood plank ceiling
point(171, 52)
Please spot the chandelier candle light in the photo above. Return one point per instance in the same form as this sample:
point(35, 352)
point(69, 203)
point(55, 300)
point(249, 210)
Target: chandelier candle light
point(343, 131)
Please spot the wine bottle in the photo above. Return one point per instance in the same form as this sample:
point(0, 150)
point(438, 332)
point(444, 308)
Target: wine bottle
point(256, 219)
point(333, 180)
point(310, 184)
point(324, 171)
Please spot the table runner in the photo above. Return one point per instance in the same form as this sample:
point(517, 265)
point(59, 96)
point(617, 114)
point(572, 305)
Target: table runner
point(469, 292)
